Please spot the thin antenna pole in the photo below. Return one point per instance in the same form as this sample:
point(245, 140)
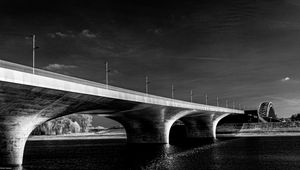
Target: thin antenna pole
point(106, 74)
point(191, 96)
point(206, 99)
point(33, 54)
point(226, 103)
point(172, 91)
point(217, 101)
point(147, 82)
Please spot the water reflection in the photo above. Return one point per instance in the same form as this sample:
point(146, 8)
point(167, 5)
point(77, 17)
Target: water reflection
point(109, 154)
point(244, 153)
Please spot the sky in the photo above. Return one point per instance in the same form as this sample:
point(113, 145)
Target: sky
point(245, 51)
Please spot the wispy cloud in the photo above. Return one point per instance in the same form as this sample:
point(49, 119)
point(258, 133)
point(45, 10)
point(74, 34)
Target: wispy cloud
point(285, 79)
point(84, 33)
point(87, 33)
point(60, 35)
point(59, 67)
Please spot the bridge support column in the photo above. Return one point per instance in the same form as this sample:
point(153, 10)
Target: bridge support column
point(145, 130)
point(203, 126)
point(13, 136)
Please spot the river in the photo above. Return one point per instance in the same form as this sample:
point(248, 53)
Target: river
point(255, 153)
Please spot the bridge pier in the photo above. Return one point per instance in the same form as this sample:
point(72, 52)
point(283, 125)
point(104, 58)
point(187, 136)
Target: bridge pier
point(141, 130)
point(146, 125)
point(14, 132)
point(203, 126)
point(139, 133)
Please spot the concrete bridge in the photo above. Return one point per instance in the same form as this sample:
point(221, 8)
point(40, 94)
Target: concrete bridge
point(28, 100)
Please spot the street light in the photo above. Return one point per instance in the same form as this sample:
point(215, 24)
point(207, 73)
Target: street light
point(147, 85)
point(33, 53)
point(106, 74)
point(191, 96)
point(173, 91)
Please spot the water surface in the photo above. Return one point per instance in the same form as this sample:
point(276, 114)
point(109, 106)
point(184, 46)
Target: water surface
point(257, 153)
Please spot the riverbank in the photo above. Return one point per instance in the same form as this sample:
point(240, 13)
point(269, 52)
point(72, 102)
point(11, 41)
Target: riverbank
point(80, 136)
point(259, 129)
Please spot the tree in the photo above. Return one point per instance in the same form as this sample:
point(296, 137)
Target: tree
point(84, 121)
point(74, 123)
point(75, 128)
point(295, 117)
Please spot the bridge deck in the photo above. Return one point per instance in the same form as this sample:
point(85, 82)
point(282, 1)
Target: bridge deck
point(20, 74)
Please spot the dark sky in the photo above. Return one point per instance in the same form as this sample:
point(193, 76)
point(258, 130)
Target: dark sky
point(241, 50)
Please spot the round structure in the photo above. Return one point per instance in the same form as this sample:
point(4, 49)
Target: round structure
point(266, 110)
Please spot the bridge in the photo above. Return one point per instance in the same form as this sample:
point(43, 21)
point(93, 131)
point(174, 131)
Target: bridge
point(28, 100)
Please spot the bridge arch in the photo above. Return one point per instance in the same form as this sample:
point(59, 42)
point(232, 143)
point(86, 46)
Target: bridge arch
point(74, 123)
point(199, 125)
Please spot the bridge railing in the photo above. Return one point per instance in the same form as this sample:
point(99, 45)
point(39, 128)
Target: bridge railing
point(40, 72)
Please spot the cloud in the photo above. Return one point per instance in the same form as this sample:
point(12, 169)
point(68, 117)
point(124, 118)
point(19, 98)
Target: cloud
point(285, 79)
point(60, 35)
point(84, 33)
point(59, 67)
point(87, 33)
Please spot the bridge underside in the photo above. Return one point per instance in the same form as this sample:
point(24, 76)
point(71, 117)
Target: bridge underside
point(25, 107)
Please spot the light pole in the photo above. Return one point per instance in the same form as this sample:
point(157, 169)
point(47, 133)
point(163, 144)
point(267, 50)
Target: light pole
point(33, 53)
point(191, 96)
point(173, 91)
point(106, 74)
point(147, 85)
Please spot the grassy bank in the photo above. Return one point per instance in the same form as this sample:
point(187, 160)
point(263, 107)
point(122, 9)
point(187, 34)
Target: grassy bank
point(259, 129)
point(109, 134)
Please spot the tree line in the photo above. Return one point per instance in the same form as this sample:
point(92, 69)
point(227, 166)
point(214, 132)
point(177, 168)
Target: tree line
point(74, 123)
point(295, 117)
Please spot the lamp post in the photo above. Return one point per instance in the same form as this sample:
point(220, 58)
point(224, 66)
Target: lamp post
point(33, 54)
point(173, 91)
point(147, 85)
point(106, 74)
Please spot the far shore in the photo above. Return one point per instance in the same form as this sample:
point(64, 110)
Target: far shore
point(266, 134)
point(78, 136)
